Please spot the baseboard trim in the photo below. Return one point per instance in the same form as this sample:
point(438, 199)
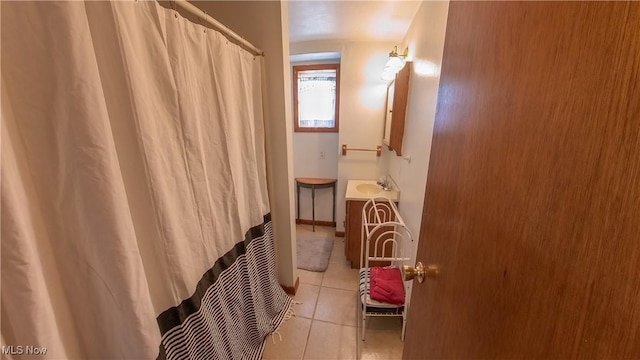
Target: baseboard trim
point(339, 233)
point(318, 222)
point(291, 290)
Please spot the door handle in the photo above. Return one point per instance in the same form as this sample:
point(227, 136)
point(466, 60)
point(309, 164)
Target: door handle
point(419, 272)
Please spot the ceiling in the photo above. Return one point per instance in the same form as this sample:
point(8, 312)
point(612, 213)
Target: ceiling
point(350, 20)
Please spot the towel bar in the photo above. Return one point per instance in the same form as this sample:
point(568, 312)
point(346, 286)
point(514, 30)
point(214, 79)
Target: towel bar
point(378, 150)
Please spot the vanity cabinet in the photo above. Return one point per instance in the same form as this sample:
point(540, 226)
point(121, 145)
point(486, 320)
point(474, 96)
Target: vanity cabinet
point(353, 234)
point(396, 110)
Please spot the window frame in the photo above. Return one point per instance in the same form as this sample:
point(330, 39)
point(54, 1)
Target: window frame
point(296, 125)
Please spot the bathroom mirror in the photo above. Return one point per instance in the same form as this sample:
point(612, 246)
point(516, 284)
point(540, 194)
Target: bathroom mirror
point(396, 109)
point(388, 112)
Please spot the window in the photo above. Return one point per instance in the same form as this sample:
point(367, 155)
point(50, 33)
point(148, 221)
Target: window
point(316, 95)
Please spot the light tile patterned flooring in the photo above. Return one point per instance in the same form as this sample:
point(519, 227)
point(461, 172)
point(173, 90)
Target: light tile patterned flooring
point(326, 323)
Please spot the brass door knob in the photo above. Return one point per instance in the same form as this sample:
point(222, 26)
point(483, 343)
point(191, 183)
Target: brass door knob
point(419, 272)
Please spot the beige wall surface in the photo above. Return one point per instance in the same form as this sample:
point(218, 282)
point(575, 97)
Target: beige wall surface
point(425, 40)
point(361, 112)
point(315, 155)
point(362, 99)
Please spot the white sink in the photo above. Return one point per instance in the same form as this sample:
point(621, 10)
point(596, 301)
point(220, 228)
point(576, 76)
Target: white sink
point(363, 190)
point(368, 189)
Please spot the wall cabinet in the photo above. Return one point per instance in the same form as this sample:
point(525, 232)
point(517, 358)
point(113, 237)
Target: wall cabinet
point(353, 234)
point(396, 110)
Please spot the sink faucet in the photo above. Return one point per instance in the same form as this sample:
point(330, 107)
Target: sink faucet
point(384, 183)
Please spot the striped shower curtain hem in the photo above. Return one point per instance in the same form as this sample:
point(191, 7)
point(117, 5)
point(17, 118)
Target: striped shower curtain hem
point(236, 305)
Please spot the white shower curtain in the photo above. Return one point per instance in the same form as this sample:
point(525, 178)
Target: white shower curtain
point(135, 217)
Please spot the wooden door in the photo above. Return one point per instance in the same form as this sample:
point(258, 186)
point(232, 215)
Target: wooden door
point(532, 207)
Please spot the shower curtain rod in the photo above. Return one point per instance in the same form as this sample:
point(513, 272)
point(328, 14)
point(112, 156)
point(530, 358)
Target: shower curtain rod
point(187, 6)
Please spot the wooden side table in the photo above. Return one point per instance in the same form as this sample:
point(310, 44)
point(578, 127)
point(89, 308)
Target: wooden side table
point(313, 184)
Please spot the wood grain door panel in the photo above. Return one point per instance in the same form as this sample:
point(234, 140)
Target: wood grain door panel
point(532, 207)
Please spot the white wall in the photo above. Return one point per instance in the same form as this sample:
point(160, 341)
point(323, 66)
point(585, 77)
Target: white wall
point(308, 162)
point(425, 40)
point(362, 100)
point(265, 24)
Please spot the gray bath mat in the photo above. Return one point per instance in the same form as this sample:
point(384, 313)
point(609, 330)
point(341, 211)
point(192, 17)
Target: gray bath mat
point(314, 252)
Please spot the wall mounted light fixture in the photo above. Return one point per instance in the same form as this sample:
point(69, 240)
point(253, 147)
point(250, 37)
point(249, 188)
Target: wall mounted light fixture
point(394, 64)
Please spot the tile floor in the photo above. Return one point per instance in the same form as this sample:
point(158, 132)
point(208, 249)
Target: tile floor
point(326, 321)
